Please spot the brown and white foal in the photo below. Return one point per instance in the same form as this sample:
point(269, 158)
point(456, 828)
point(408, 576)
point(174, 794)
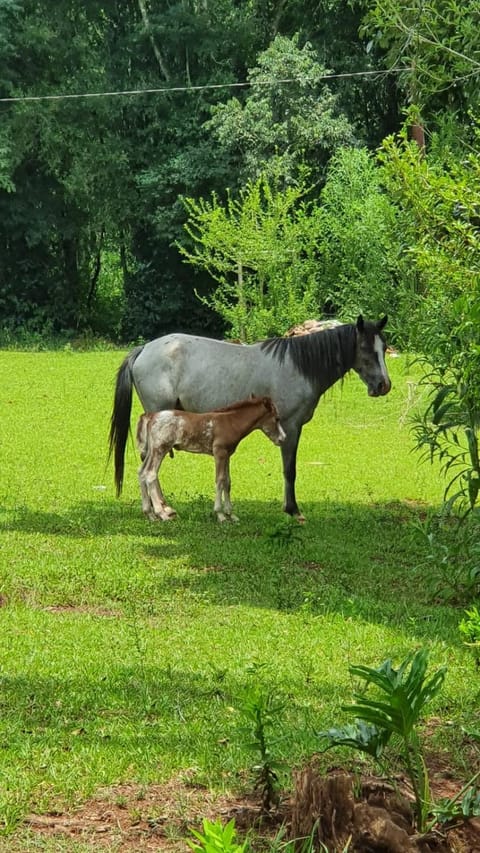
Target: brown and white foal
point(217, 433)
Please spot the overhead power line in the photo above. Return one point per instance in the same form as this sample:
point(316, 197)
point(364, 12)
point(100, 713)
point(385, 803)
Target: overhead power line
point(209, 86)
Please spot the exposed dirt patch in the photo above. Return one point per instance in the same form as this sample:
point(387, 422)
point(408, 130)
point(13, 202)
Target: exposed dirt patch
point(311, 566)
point(370, 816)
point(129, 818)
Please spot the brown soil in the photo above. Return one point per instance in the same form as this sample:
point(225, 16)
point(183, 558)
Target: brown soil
point(362, 817)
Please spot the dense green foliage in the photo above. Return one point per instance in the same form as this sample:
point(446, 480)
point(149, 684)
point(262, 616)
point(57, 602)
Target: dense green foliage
point(439, 201)
point(90, 187)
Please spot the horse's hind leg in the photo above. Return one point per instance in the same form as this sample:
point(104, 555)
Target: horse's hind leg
point(147, 507)
point(221, 460)
point(148, 477)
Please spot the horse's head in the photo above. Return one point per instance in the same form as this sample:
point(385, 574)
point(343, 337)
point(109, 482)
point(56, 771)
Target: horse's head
point(270, 423)
point(370, 357)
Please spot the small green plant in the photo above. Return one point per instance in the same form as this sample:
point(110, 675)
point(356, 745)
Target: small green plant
point(216, 838)
point(465, 804)
point(395, 711)
point(469, 628)
point(261, 709)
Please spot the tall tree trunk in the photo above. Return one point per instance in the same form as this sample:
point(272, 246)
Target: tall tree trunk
point(96, 271)
point(148, 29)
point(417, 133)
point(72, 277)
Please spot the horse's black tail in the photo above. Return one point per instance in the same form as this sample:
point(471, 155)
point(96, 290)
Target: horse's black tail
point(120, 420)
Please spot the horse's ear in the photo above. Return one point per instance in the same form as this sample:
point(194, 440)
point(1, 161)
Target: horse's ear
point(360, 323)
point(382, 323)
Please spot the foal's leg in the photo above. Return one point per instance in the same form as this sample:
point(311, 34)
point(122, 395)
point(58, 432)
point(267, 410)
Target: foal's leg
point(227, 504)
point(149, 473)
point(220, 462)
point(222, 506)
point(147, 507)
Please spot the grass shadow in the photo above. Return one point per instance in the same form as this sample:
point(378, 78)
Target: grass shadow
point(363, 561)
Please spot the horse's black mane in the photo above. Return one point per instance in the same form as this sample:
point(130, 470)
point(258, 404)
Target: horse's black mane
point(323, 356)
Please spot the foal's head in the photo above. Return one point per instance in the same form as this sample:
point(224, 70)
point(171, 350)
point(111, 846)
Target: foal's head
point(270, 421)
point(370, 356)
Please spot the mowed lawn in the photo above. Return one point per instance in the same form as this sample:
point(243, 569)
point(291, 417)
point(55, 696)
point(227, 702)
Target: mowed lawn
point(127, 647)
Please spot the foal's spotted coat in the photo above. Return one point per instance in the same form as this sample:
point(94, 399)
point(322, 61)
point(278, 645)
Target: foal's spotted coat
point(216, 433)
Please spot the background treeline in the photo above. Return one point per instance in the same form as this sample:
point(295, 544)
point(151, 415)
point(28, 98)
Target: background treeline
point(92, 190)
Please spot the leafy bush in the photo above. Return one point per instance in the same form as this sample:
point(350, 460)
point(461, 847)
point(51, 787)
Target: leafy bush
point(438, 198)
point(453, 553)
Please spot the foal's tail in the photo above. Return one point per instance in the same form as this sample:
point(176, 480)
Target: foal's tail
point(120, 420)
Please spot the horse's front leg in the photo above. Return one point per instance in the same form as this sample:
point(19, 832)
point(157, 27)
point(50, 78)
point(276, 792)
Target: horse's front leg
point(159, 506)
point(289, 458)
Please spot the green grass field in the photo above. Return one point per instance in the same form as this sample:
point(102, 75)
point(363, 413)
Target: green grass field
point(127, 646)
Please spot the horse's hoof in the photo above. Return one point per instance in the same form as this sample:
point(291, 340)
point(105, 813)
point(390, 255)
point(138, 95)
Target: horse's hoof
point(170, 513)
point(221, 517)
point(234, 518)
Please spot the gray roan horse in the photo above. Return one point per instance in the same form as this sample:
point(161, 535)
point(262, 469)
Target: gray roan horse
point(199, 374)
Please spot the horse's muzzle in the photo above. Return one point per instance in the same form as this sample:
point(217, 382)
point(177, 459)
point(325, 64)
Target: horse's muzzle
point(381, 389)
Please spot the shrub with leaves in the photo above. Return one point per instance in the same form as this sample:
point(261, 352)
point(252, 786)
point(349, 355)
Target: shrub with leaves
point(259, 246)
point(437, 196)
point(453, 554)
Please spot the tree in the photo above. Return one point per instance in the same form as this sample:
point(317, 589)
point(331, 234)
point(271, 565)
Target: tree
point(260, 248)
point(360, 262)
point(289, 117)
